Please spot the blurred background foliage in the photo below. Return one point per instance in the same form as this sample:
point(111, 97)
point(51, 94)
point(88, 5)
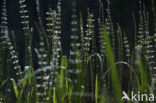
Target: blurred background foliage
point(122, 12)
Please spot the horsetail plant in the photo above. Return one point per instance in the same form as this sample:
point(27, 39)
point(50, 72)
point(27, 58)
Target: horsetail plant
point(58, 20)
point(87, 48)
point(91, 74)
point(55, 62)
point(109, 25)
point(154, 42)
point(141, 27)
point(110, 29)
point(4, 70)
point(27, 32)
point(56, 55)
point(3, 41)
point(127, 48)
point(24, 16)
point(45, 49)
point(56, 50)
point(14, 58)
point(38, 9)
point(102, 42)
point(3, 25)
point(50, 23)
point(74, 59)
point(43, 77)
point(50, 30)
point(87, 39)
point(120, 49)
point(82, 38)
point(56, 44)
point(93, 63)
point(92, 33)
point(85, 52)
point(150, 48)
point(154, 17)
point(148, 45)
point(104, 63)
point(120, 43)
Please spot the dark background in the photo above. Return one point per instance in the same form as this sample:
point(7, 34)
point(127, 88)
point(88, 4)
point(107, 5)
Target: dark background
point(121, 12)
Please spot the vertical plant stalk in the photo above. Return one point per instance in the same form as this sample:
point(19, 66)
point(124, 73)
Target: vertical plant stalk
point(43, 77)
point(154, 42)
point(27, 32)
point(8, 52)
point(94, 67)
point(109, 26)
point(14, 58)
point(50, 31)
point(148, 45)
point(74, 59)
point(111, 34)
point(126, 71)
point(141, 27)
point(135, 30)
point(82, 40)
point(154, 14)
point(150, 49)
point(120, 49)
point(102, 42)
point(85, 48)
point(3, 42)
point(56, 45)
point(127, 48)
point(56, 50)
point(56, 57)
point(38, 9)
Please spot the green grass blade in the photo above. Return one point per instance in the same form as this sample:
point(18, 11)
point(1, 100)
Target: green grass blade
point(111, 61)
point(14, 87)
point(96, 90)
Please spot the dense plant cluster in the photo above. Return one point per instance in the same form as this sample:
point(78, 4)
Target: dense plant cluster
point(87, 74)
